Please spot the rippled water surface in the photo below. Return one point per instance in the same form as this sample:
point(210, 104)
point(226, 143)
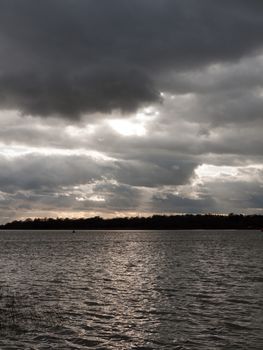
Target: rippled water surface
point(135, 290)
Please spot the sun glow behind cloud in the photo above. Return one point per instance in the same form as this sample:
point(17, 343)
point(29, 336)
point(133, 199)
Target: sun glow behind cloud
point(127, 128)
point(74, 131)
point(134, 126)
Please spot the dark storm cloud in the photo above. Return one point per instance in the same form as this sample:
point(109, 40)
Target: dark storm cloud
point(70, 57)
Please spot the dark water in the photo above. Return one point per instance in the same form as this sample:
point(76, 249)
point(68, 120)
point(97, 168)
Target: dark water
point(136, 290)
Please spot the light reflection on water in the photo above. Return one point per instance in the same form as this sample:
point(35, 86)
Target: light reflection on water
point(137, 290)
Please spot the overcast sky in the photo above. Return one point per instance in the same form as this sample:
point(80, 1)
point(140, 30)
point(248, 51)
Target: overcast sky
point(127, 107)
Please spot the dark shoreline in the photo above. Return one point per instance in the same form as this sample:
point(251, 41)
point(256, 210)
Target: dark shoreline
point(155, 222)
point(137, 229)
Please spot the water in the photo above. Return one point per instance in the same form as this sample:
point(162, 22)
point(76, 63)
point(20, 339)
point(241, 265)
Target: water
point(136, 290)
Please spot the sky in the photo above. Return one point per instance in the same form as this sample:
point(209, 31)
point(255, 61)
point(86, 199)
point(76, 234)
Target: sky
point(123, 108)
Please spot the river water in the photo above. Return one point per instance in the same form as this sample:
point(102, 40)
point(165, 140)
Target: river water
point(132, 290)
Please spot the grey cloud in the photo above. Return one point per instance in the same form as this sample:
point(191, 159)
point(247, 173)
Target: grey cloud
point(117, 197)
point(168, 153)
point(223, 195)
point(54, 185)
point(229, 77)
point(33, 172)
point(139, 173)
point(170, 203)
point(47, 173)
point(226, 108)
point(235, 196)
point(68, 58)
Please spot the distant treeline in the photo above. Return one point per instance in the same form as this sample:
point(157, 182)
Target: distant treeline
point(155, 222)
